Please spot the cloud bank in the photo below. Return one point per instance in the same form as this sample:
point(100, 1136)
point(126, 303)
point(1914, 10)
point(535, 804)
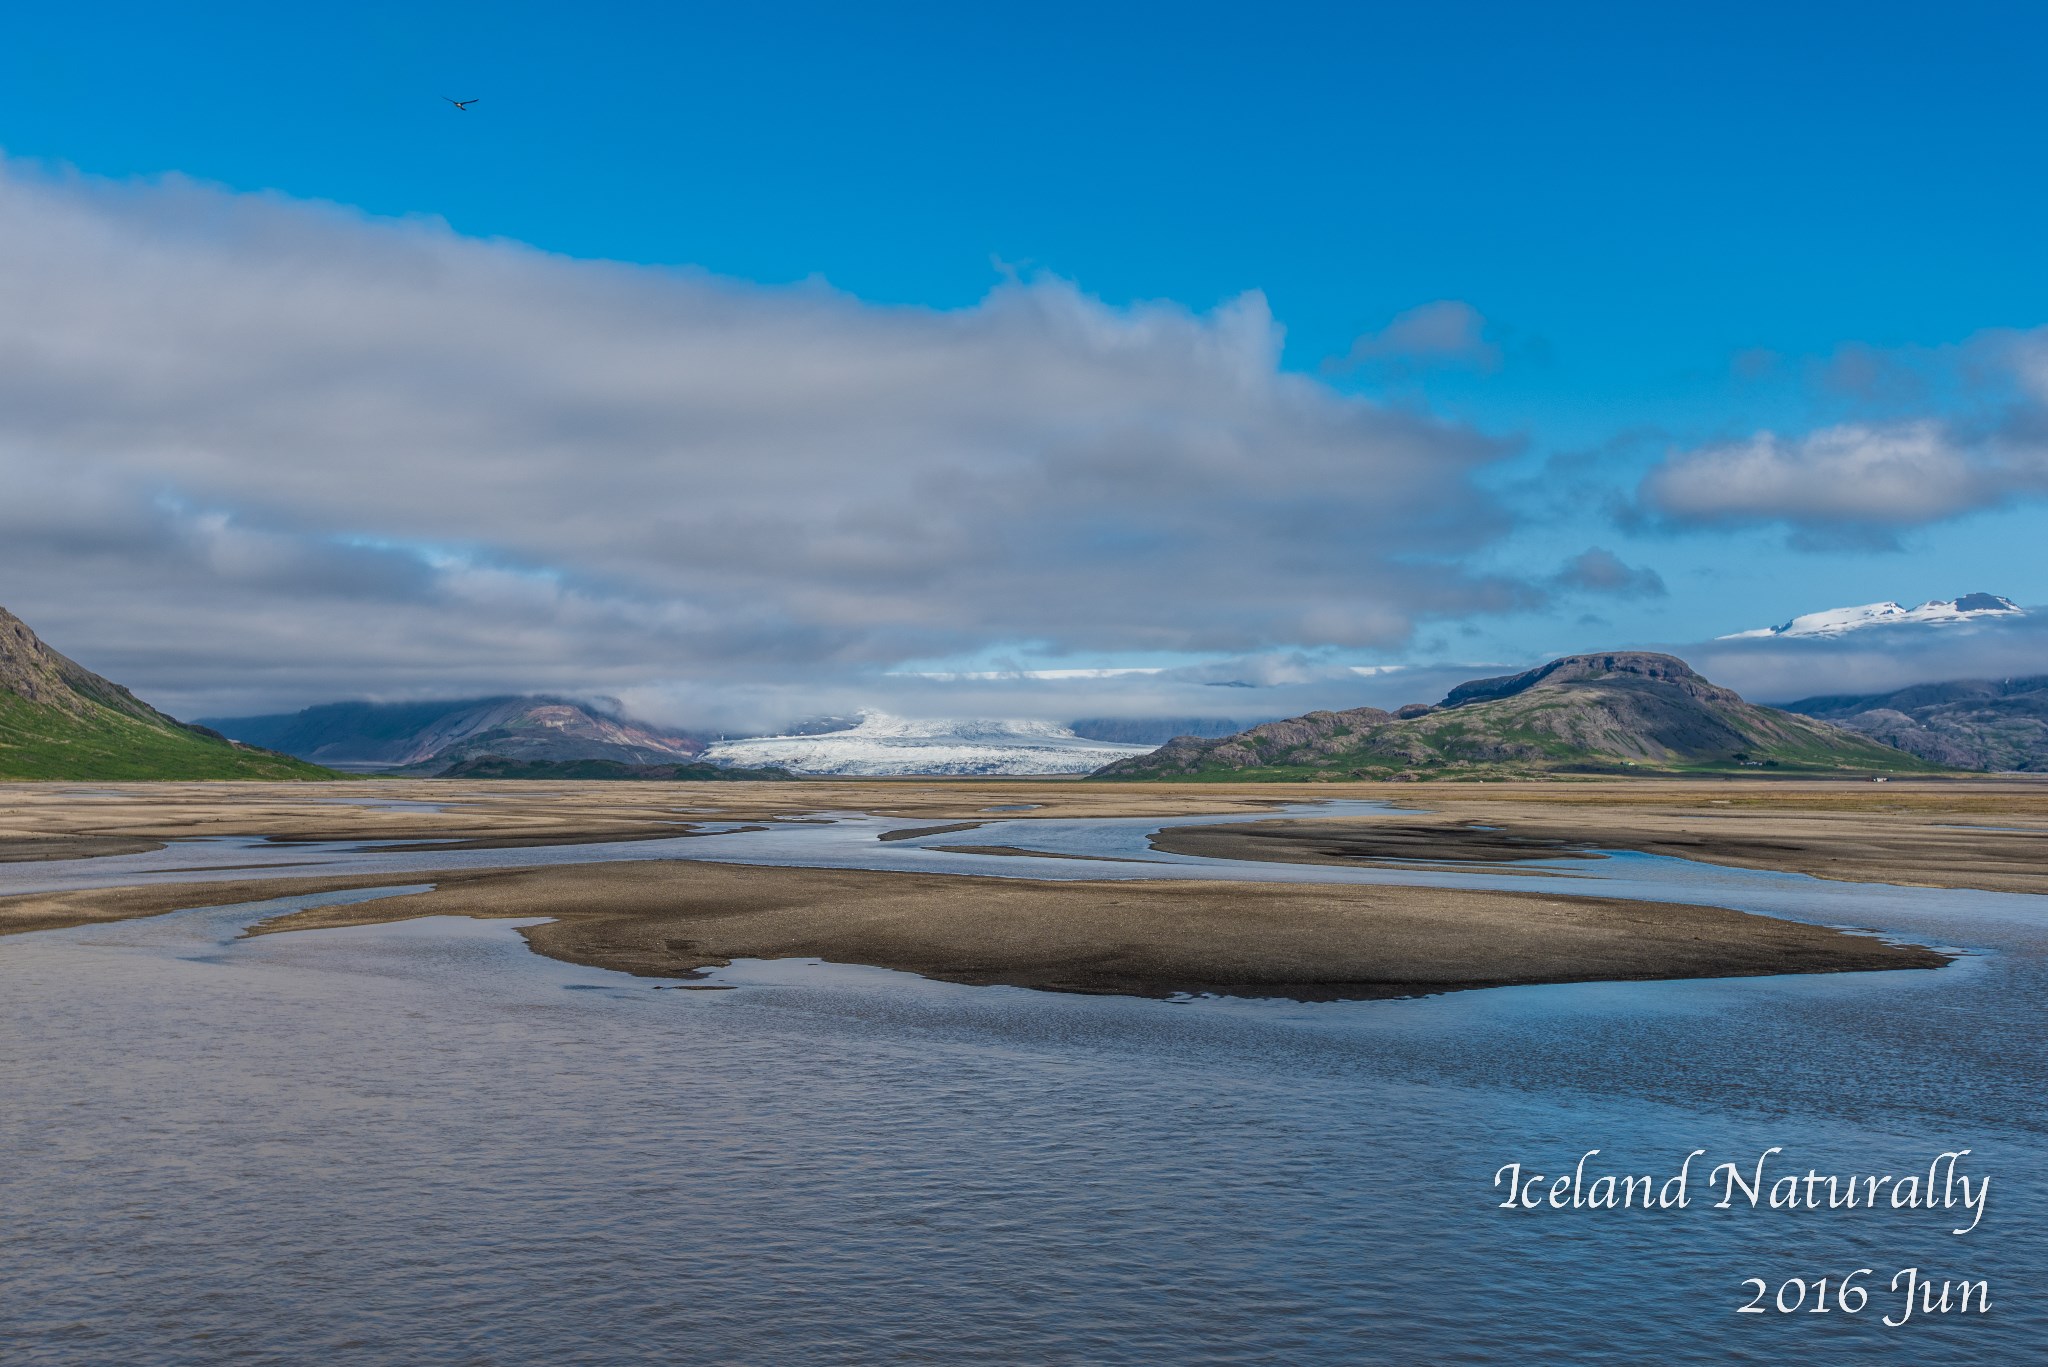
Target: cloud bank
point(1875, 659)
point(1444, 334)
point(1879, 476)
point(1598, 570)
point(264, 452)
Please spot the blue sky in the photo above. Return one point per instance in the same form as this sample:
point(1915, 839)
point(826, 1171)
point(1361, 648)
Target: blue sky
point(1673, 226)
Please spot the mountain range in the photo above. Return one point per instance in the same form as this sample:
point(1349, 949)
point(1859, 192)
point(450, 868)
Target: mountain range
point(1622, 712)
point(581, 770)
point(1841, 621)
point(59, 720)
point(553, 737)
point(1995, 724)
point(432, 737)
point(1616, 712)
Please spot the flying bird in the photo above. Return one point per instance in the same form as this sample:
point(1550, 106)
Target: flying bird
point(462, 105)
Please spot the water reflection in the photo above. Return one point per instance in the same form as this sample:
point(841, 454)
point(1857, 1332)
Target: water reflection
point(421, 1143)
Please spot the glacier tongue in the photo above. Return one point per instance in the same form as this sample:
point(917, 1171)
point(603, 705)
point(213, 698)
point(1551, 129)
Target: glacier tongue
point(882, 745)
point(1934, 612)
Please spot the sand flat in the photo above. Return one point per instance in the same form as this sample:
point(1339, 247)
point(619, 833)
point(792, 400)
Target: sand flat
point(669, 918)
point(1990, 834)
point(1304, 941)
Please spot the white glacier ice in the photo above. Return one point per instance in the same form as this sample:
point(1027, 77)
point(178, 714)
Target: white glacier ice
point(881, 745)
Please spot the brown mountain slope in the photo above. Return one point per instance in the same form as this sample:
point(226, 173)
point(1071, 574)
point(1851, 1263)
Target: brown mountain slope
point(1619, 712)
point(1996, 724)
point(432, 737)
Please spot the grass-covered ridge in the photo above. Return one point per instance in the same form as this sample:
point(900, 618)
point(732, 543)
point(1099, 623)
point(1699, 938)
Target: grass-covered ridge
point(59, 720)
point(100, 744)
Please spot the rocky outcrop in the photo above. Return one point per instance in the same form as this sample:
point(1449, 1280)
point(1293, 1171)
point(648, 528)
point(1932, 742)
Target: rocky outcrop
point(31, 670)
point(1647, 666)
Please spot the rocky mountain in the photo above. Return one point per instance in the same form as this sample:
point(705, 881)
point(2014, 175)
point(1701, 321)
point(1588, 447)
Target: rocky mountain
point(880, 745)
point(1935, 612)
point(1990, 724)
point(430, 737)
point(59, 720)
point(1624, 712)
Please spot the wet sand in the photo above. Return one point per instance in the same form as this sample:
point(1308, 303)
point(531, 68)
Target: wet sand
point(1912, 832)
point(1938, 835)
point(667, 918)
point(28, 849)
point(36, 817)
point(1301, 941)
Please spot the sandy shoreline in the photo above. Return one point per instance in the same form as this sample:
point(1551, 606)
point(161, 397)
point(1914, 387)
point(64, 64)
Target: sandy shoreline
point(1872, 840)
point(1831, 829)
point(1302, 941)
point(669, 918)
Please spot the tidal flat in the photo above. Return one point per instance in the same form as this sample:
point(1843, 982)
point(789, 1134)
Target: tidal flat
point(286, 1078)
point(616, 869)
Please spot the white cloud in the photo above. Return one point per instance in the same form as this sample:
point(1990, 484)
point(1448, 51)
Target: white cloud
point(256, 450)
point(1879, 476)
point(1444, 333)
point(1248, 689)
point(1103, 672)
point(1786, 669)
point(1598, 570)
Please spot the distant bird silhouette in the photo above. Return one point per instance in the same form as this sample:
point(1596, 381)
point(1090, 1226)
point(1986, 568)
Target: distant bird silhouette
point(462, 105)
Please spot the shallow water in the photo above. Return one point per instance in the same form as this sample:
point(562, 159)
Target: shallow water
point(421, 1143)
point(1115, 847)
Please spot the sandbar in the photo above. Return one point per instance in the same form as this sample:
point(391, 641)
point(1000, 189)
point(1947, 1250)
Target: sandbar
point(672, 918)
point(669, 919)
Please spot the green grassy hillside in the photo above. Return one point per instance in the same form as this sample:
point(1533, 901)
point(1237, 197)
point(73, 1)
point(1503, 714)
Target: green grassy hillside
point(104, 745)
point(59, 720)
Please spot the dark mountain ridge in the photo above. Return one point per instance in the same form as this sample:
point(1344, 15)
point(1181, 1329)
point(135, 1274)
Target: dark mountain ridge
point(581, 770)
point(1614, 712)
point(1985, 724)
point(431, 737)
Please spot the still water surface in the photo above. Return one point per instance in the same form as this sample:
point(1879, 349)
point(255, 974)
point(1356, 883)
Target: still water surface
point(421, 1143)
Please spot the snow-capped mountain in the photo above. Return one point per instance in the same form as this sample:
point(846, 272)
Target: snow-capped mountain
point(1935, 612)
point(881, 745)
